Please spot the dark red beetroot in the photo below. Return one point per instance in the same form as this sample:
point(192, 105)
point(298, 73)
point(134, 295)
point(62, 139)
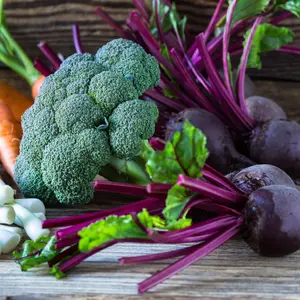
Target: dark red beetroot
point(223, 155)
point(272, 220)
point(262, 109)
point(277, 142)
point(252, 178)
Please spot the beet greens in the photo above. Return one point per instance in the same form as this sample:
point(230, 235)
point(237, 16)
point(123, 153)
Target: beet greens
point(190, 65)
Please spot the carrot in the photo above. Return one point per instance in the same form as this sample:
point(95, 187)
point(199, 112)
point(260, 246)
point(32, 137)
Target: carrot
point(16, 101)
point(35, 88)
point(10, 137)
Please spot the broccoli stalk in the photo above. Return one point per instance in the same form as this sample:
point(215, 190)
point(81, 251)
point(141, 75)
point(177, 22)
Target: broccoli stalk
point(132, 170)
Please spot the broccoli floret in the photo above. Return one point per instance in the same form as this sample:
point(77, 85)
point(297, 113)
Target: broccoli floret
point(78, 86)
point(129, 59)
point(131, 120)
point(51, 93)
point(37, 135)
point(30, 181)
point(109, 89)
point(83, 115)
point(72, 61)
point(65, 161)
point(70, 119)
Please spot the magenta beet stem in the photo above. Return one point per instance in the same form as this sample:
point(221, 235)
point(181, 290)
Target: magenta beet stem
point(159, 97)
point(151, 204)
point(59, 257)
point(142, 9)
point(67, 242)
point(120, 188)
point(173, 105)
point(197, 229)
point(50, 54)
point(76, 38)
point(210, 190)
point(290, 49)
point(157, 144)
point(77, 259)
point(203, 250)
point(207, 205)
point(214, 20)
point(281, 17)
point(243, 67)
point(73, 220)
point(216, 177)
point(41, 67)
point(158, 23)
point(105, 17)
point(158, 188)
point(158, 256)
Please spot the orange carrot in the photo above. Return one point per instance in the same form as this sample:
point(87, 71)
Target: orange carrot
point(37, 85)
point(16, 101)
point(10, 137)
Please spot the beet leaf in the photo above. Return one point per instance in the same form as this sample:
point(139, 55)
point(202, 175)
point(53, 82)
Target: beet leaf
point(248, 8)
point(267, 38)
point(35, 253)
point(176, 200)
point(185, 153)
point(292, 6)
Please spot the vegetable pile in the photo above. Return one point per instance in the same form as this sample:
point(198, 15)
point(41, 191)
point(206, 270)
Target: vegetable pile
point(197, 72)
point(86, 116)
point(183, 189)
point(96, 115)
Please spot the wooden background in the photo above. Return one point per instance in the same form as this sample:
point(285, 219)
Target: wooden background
point(233, 271)
point(31, 21)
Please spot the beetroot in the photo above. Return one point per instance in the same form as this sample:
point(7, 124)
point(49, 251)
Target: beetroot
point(257, 176)
point(223, 155)
point(272, 220)
point(262, 109)
point(277, 142)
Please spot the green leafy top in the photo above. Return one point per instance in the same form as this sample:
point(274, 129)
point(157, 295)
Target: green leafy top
point(185, 153)
point(36, 252)
point(244, 9)
point(292, 6)
point(176, 200)
point(267, 38)
point(123, 227)
point(248, 8)
point(170, 19)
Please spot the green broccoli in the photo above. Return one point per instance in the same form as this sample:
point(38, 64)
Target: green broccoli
point(124, 57)
point(87, 118)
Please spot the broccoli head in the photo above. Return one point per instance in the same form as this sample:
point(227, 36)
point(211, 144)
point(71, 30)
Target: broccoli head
point(85, 114)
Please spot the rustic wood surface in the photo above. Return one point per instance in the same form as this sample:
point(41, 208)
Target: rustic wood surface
point(31, 21)
point(231, 272)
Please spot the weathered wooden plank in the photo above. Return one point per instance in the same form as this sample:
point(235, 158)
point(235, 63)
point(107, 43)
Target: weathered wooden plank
point(31, 21)
point(233, 270)
point(134, 297)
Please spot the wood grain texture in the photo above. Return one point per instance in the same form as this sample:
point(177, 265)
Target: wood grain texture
point(232, 272)
point(31, 21)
